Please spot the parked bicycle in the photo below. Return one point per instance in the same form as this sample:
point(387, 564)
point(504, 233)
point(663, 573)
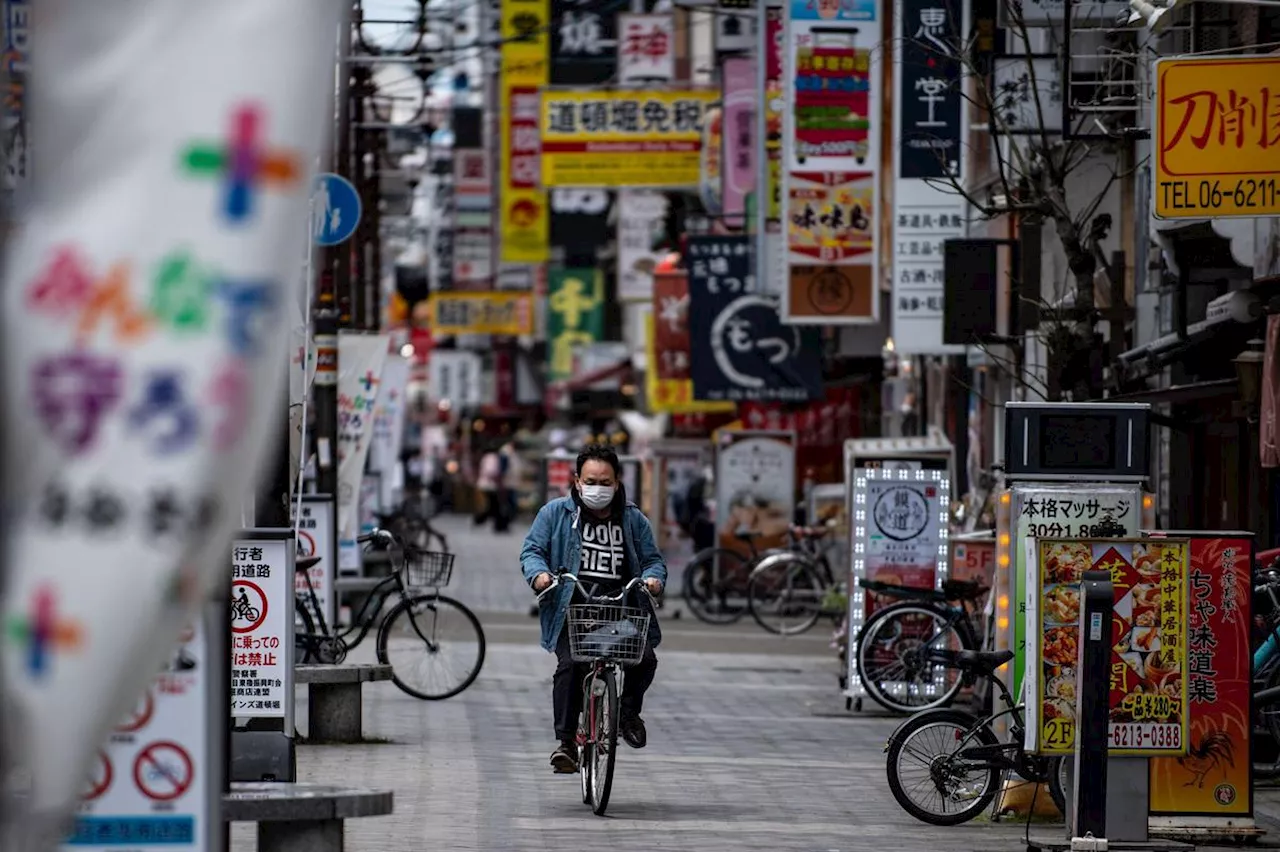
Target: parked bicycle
point(788, 591)
point(411, 523)
point(945, 766)
point(717, 581)
point(895, 659)
point(609, 635)
point(434, 644)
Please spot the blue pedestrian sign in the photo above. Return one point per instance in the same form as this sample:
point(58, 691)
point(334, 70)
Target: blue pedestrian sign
point(335, 210)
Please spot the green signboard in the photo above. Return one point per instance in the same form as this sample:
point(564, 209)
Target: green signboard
point(575, 316)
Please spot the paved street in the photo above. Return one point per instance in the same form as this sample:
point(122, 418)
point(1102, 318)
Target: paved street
point(749, 748)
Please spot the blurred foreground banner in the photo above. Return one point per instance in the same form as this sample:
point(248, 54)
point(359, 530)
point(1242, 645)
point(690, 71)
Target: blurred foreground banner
point(144, 344)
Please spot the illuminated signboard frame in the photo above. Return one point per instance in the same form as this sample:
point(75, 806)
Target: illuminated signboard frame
point(941, 478)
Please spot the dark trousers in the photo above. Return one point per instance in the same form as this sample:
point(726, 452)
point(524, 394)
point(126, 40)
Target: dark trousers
point(566, 686)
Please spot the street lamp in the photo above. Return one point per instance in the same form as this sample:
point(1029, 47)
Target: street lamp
point(1248, 366)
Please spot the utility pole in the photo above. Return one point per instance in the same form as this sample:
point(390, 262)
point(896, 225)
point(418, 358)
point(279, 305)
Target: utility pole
point(334, 279)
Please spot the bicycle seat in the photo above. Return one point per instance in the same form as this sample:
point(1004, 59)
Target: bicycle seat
point(963, 590)
point(982, 662)
point(303, 563)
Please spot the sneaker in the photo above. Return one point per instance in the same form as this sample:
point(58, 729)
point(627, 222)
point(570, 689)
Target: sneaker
point(564, 760)
point(631, 726)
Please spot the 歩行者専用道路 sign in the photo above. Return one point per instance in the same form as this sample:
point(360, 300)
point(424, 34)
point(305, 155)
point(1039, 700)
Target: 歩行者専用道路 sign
point(1217, 134)
point(335, 210)
point(623, 138)
point(507, 314)
point(262, 611)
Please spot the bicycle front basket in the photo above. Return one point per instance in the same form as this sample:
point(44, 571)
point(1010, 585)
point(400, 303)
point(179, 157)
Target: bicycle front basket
point(426, 569)
point(607, 632)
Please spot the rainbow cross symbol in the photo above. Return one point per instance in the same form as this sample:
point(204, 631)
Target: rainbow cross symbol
point(43, 630)
point(244, 161)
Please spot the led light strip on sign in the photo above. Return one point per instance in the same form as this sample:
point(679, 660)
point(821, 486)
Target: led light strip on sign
point(857, 597)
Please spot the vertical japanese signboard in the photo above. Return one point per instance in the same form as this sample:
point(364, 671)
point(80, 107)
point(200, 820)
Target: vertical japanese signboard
point(17, 37)
point(522, 205)
point(316, 538)
point(262, 625)
point(155, 783)
point(739, 347)
point(668, 385)
point(1216, 133)
point(575, 316)
point(583, 41)
point(1214, 779)
point(640, 223)
point(738, 168)
point(1148, 684)
point(831, 143)
point(647, 48)
point(1057, 511)
point(929, 124)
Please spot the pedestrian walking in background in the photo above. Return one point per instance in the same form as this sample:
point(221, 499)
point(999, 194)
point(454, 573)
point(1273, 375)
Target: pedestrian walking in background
point(488, 480)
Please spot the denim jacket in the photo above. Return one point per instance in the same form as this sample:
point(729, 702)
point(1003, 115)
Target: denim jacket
point(554, 543)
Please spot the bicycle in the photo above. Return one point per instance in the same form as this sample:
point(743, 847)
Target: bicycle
point(971, 761)
point(411, 523)
point(717, 577)
point(610, 636)
point(894, 648)
point(242, 610)
point(430, 617)
point(1266, 668)
point(793, 586)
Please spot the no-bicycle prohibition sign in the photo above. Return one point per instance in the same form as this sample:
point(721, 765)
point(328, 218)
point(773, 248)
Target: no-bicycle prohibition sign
point(248, 606)
point(163, 771)
point(100, 782)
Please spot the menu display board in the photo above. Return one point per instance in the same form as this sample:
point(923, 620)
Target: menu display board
point(1214, 779)
point(1148, 682)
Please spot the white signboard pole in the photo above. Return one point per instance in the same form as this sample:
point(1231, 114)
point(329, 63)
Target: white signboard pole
point(158, 781)
point(262, 625)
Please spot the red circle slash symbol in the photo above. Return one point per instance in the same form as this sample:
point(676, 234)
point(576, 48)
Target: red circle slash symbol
point(100, 781)
point(248, 606)
point(140, 716)
point(306, 544)
point(163, 771)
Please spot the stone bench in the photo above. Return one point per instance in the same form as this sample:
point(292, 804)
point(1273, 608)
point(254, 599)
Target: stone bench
point(301, 817)
point(335, 709)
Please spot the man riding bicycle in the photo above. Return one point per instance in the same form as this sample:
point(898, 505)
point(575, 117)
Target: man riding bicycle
point(598, 535)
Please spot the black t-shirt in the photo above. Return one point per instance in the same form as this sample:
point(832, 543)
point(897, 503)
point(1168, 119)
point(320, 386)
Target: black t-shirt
point(604, 556)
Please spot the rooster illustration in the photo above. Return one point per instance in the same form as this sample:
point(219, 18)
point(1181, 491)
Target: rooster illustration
point(1214, 751)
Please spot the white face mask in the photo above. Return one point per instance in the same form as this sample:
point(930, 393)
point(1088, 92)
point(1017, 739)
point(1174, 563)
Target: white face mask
point(597, 496)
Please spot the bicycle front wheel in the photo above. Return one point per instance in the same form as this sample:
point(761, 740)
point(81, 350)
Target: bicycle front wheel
point(785, 596)
point(928, 774)
point(709, 586)
point(894, 663)
point(434, 644)
point(606, 740)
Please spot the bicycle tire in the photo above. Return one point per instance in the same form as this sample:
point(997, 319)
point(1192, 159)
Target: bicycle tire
point(304, 643)
point(695, 597)
point(1058, 782)
point(438, 603)
point(795, 566)
point(607, 735)
point(886, 616)
point(585, 752)
point(901, 738)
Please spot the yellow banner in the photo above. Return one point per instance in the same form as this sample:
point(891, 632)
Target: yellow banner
point(507, 314)
point(522, 204)
point(672, 396)
point(623, 138)
point(1217, 132)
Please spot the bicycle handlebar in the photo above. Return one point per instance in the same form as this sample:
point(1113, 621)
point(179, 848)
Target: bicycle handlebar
point(626, 590)
point(379, 538)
